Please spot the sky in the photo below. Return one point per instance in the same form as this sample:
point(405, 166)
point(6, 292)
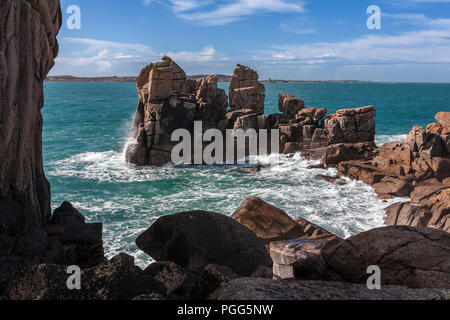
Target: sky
point(281, 39)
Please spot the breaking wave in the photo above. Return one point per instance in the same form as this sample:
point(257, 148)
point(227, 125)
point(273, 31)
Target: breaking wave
point(128, 199)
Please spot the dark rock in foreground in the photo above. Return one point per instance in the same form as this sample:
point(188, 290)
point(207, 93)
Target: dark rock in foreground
point(265, 289)
point(411, 257)
point(198, 238)
point(119, 279)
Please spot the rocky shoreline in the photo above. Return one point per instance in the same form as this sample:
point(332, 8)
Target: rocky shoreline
point(259, 252)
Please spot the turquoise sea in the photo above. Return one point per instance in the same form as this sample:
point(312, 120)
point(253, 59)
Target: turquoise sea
point(86, 127)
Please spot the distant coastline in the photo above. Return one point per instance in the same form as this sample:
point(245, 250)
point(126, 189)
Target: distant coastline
point(222, 78)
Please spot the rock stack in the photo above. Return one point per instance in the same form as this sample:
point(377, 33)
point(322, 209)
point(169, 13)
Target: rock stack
point(169, 101)
point(246, 92)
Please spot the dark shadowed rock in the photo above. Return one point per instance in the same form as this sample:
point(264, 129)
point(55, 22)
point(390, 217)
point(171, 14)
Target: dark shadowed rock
point(265, 289)
point(168, 273)
point(66, 214)
point(198, 238)
point(119, 279)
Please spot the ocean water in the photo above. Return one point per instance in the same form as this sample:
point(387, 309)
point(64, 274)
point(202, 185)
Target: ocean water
point(86, 126)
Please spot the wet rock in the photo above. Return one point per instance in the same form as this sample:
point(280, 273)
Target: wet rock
point(196, 239)
point(66, 214)
point(337, 153)
point(336, 180)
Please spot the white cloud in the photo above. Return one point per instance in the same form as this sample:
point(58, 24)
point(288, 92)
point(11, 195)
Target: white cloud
point(430, 45)
point(222, 12)
point(208, 54)
point(91, 57)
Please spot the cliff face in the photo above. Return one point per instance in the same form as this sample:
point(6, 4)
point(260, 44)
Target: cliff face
point(28, 47)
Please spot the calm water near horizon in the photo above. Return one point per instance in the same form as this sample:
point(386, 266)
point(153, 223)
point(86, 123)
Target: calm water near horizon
point(86, 126)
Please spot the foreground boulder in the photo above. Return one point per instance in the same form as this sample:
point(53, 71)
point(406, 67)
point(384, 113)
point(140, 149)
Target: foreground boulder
point(198, 238)
point(119, 279)
point(411, 257)
point(265, 289)
point(272, 224)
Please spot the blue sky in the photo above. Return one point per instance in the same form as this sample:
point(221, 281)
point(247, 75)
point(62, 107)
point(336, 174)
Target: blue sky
point(282, 39)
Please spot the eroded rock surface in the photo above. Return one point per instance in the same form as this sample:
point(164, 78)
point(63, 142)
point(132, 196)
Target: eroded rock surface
point(411, 257)
point(418, 167)
point(28, 47)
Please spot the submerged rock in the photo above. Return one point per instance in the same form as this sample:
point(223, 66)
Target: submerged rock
point(198, 238)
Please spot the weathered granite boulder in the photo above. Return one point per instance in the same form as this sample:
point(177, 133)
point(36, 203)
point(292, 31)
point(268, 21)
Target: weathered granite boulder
point(443, 118)
point(198, 238)
point(337, 153)
point(272, 224)
point(266, 290)
point(28, 48)
point(411, 257)
point(429, 207)
point(351, 125)
point(246, 92)
point(118, 279)
point(290, 105)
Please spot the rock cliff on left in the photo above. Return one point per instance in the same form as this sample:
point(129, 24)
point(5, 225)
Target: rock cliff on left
point(28, 48)
point(28, 233)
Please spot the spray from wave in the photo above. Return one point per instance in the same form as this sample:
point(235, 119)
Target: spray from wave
point(128, 199)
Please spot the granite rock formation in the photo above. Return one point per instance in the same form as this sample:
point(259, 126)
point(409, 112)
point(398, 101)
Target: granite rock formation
point(246, 92)
point(28, 47)
point(28, 233)
point(418, 167)
point(169, 101)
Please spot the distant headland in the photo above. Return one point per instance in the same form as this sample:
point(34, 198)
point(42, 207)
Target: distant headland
point(222, 78)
